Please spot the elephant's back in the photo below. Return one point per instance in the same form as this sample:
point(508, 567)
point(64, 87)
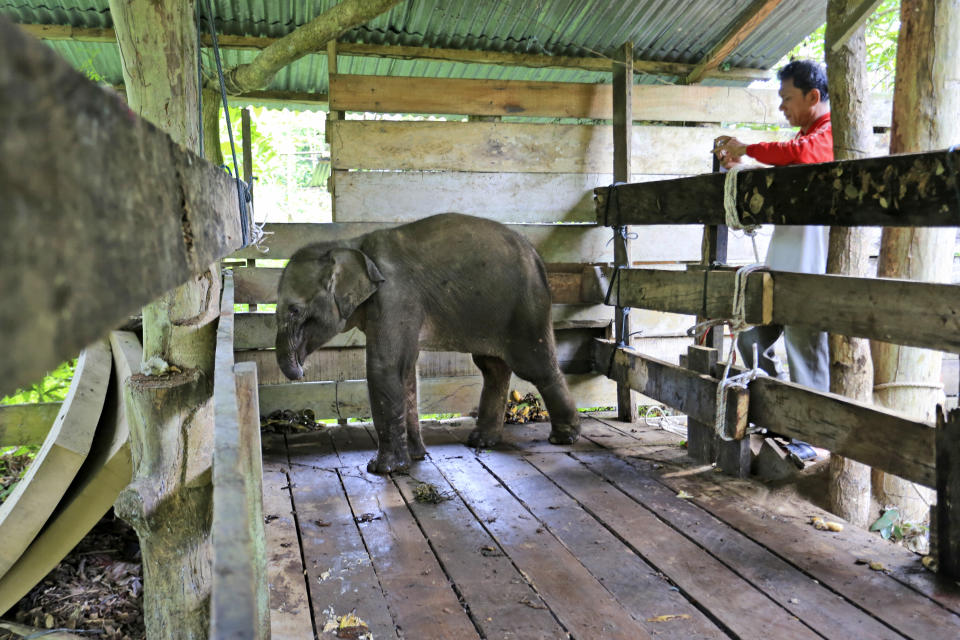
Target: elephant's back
point(455, 258)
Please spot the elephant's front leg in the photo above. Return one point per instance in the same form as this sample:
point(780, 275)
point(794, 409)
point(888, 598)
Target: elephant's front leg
point(387, 393)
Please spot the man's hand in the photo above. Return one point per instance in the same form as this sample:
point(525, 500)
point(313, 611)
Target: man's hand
point(729, 150)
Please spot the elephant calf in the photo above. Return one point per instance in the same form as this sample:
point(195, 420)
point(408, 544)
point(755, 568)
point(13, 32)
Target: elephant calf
point(449, 282)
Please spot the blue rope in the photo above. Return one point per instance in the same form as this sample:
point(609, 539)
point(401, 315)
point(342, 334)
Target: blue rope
point(241, 195)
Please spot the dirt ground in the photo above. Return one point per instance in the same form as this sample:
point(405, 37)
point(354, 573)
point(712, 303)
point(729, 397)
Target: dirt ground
point(96, 590)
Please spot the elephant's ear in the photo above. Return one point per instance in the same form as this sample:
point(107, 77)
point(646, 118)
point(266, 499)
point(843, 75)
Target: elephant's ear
point(355, 279)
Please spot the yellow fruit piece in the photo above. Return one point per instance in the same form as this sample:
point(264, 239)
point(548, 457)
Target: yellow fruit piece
point(834, 526)
point(515, 396)
point(877, 566)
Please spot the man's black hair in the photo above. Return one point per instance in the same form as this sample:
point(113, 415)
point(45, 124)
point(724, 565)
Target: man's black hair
point(806, 75)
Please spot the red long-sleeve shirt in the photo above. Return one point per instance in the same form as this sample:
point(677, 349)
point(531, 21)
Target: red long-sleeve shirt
point(808, 147)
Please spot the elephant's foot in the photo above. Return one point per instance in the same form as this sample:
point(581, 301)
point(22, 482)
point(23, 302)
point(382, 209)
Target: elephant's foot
point(388, 462)
point(480, 438)
point(416, 448)
point(564, 434)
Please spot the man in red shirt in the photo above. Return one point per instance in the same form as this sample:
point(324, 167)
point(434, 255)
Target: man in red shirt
point(803, 101)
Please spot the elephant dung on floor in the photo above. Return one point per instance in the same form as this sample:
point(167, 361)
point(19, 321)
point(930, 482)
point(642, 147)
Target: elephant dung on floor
point(449, 282)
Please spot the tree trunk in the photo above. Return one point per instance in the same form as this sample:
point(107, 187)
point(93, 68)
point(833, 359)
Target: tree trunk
point(171, 416)
point(851, 371)
point(926, 101)
point(312, 36)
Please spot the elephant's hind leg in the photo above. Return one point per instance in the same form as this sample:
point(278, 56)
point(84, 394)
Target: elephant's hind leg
point(538, 364)
point(414, 440)
point(493, 401)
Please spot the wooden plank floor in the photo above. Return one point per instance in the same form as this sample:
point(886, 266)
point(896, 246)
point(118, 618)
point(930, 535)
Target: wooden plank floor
point(586, 541)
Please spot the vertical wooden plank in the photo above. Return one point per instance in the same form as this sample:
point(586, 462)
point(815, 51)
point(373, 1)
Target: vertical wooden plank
point(252, 466)
point(948, 493)
point(332, 117)
point(818, 607)
point(502, 603)
point(578, 600)
point(420, 595)
point(635, 583)
point(289, 603)
point(701, 438)
point(622, 152)
point(337, 566)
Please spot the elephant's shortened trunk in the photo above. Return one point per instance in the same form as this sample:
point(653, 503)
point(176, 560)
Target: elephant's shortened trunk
point(288, 357)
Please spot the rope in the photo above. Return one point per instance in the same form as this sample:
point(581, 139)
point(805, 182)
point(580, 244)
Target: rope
point(730, 212)
point(226, 113)
point(738, 324)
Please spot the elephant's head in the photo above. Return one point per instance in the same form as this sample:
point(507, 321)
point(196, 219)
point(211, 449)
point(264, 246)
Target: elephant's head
point(319, 290)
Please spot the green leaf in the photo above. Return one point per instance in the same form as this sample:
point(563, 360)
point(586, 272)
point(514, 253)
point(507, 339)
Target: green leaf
point(888, 519)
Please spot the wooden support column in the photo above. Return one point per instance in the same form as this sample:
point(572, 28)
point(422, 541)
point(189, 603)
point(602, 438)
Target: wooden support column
point(701, 437)
point(332, 116)
point(622, 134)
point(851, 370)
point(248, 171)
point(947, 509)
point(925, 103)
point(703, 443)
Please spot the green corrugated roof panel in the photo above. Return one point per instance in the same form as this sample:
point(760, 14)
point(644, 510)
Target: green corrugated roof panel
point(664, 30)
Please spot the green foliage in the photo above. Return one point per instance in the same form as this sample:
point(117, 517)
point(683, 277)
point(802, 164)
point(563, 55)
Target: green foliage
point(14, 462)
point(883, 27)
point(891, 526)
point(52, 388)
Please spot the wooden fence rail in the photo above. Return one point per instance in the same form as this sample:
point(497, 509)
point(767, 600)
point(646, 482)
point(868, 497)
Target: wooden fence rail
point(909, 190)
point(872, 435)
point(239, 607)
point(920, 314)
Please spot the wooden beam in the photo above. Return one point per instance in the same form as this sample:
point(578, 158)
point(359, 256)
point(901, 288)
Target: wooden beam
point(563, 243)
point(469, 56)
point(260, 285)
point(736, 33)
point(511, 147)
point(687, 391)
point(556, 99)
point(707, 293)
point(908, 190)
point(854, 21)
point(239, 607)
point(866, 433)
point(460, 394)
point(921, 314)
point(117, 216)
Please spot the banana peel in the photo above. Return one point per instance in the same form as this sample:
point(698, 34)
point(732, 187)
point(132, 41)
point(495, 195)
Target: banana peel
point(522, 409)
point(825, 525)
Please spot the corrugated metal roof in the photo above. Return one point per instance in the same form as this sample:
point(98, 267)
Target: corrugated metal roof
point(661, 30)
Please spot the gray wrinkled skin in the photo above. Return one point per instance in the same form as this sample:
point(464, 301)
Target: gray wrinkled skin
point(449, 282)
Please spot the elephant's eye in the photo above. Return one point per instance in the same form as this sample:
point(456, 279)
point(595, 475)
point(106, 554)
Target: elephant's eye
point(294, 310)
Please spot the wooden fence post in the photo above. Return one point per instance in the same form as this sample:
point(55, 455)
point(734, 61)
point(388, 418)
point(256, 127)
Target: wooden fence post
point(947, 531)
point(622, 151)
point(701, 438)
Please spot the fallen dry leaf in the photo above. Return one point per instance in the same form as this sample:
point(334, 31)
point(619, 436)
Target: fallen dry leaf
point(670, 616)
